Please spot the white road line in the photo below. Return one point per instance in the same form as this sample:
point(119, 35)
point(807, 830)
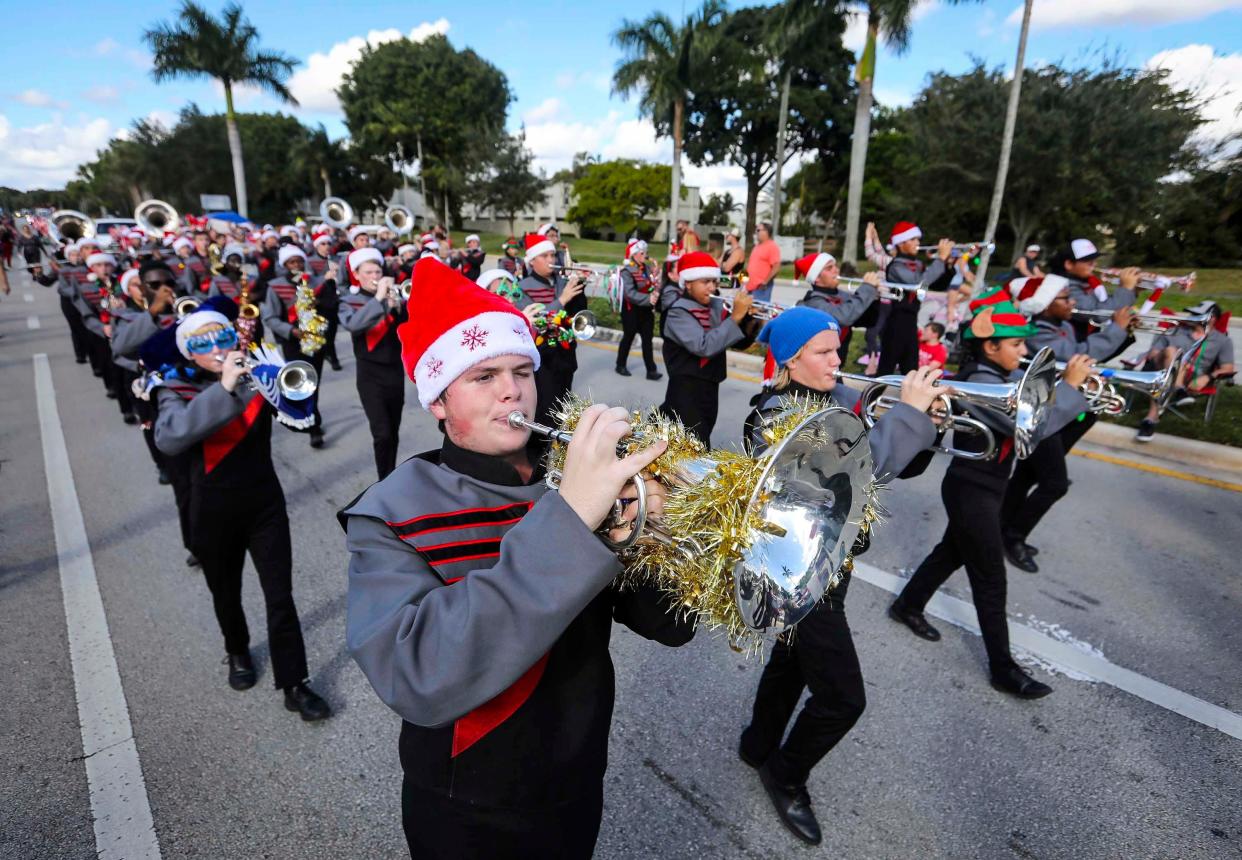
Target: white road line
point(1024, 638)
point(32, 322)
point(28, 297)
point(119, 803)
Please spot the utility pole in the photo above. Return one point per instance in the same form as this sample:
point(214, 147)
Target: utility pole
point(780, 155)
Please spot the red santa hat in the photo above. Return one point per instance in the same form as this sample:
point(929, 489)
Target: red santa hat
point(288, 252)
point(811, 265)
point(536, 245)
point(636, 246)
point(696, 266)
point(127, 276)
point(544, 228)
point(355, 232)
point(360, 256)
point(904, 231)
point(181, 242)
point(322, 238)
point(458, 325)
point(1033, 295)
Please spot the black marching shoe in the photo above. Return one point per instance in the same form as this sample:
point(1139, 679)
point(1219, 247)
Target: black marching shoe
point(1019, 555)
point(916, 621)
point(624, 371)
point(110, 393)
point(316, 438)
point(1147, 429)
point(747, 760)
point(241, 671)
point(1015, 680)
point(336, 365)
point(793, 805)
point(79, 360)
point(307, 702)
point(653, 375)
point(165, 480)
point(129, 418)
point(191, 560)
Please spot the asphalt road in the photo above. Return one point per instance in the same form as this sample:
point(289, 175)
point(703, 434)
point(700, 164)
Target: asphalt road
point(1141, 567)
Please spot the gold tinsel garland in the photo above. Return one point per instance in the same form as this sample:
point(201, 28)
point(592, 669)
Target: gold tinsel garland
point(712, 519)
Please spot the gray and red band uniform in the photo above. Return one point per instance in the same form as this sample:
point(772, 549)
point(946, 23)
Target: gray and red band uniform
point(695, 340)
point(379, 374)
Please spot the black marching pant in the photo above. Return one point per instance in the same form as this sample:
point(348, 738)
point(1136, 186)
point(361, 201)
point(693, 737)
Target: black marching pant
point(820, 656)
point(1040, 481)
point(329, 346)
point(899, 342)
point(113, 376)
point(178, 468)
point(381, 388)
point(872, 343)
point(553, 380)
point(641, 322)
point(437, 826)
point(972, 539)
point(226, 524)
point(694, 402)
point(77, 331)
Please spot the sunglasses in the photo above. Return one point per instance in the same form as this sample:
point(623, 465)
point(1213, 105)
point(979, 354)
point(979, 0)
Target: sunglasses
point(160, 282)
point(203, 344)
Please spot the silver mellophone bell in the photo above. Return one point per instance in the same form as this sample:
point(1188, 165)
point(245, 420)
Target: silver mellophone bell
point(296, 380)
point(1025, 402)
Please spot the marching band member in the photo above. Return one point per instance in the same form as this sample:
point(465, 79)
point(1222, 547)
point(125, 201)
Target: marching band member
point(899, 341)
point(470, 261)
point(553, 234)
point(1047, 301)
point(236, 504)
point(280, 316)
point(384, 243)
point(151, 293)
point(317, 264)
point(697, 332)
point(555, 377)
point(407, 256)
point(510, 260)
point(182, 249)
point(68, 275)
point(97, 300)
point(489, 642)
point(972, 491)
point(1077, 265)
point(371, 312)
point(822, 274)
point(820, 655)
point(640, 297)
point(1210, 362)
point(198, 264)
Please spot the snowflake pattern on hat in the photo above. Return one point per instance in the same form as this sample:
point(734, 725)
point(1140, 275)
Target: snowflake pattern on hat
point(474, 338)
point(434, 367)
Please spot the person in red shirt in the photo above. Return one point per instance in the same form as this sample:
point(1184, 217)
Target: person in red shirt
point(764, 262)
point(932, 353)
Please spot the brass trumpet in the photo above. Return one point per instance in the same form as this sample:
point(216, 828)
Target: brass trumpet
point(758, 310)
point(583, 324)
point(964, 247)
point(1024, 401)
point(889, 289)
point(296, 380)
point(1149, 280)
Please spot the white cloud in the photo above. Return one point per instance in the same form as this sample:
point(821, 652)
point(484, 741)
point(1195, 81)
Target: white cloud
point(33, 98)
point(1087, 13)
point(47, 155)
point(1215, 78)
point(892, 97)
point(315, 84)
point(105, 46)
point(855, 36)
point(102, 94)
point(548, 109)
point(636, 138)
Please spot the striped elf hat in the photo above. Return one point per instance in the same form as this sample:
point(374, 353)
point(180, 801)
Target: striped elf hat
point(996, 316)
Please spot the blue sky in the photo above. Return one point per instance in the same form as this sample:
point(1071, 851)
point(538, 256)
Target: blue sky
point(75, 79)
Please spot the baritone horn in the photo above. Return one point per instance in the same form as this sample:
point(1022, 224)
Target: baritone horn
point(1025, 402)
point(399, 219)
point(1156, 323)
point(156, 217)
point(73, 225)
point(336, 213)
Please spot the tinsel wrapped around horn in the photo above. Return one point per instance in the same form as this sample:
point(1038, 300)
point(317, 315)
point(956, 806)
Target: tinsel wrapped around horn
point(747, 544)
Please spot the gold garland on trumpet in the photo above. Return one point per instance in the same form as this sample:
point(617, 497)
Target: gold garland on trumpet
point(715, 514)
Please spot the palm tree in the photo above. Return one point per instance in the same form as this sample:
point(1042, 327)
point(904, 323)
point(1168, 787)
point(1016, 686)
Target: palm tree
point(891, 19)
point(661, 60)
point(197, 44)
point(1002, 168)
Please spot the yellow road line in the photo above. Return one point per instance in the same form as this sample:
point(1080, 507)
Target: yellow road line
point(1104, 458)
point(1160, 470)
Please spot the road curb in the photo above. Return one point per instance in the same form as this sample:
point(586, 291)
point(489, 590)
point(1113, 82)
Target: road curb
point(1174, 449)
